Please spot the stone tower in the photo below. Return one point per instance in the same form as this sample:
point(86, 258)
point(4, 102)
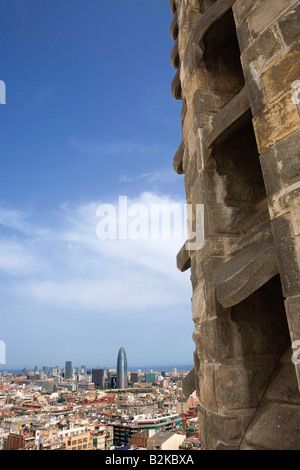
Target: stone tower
point(238, 76)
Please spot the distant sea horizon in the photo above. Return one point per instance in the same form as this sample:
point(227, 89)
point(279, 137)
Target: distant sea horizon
point(155, 368)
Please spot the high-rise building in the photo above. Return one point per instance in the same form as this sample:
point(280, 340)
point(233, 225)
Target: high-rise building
point(150, 377)
point(122, 371)
point(98, 377)
point(134, 377)
point(68, 370)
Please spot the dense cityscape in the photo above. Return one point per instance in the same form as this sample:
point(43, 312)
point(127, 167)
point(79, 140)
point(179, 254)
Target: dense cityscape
point(76, 408)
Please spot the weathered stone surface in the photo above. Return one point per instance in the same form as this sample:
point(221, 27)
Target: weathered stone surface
point(223, 220)
point(224, 429)
point(243, 35)
point(266, 46)
point(189, 383)
point(284, 386)
point(227, 121)
point(204, 189)
point(199, 304)
point(283, 420)
point(276, 122)
point(173, 6)
point(174, 57)
point(174, 27)
point(239, 387)
point(288, 158)
point(206, 377)
point(265, 14)
point(286, 255)
point(176, 86)
point(243, 8)
point(281, 73)
point(183, 259)
point(254, 87)
point(206, 22)
point(271, 171)
point(214, 341)
point(289, 25)
point(207, 102)
point(260, 327)
point(293, 309)
point(287, 202)
point(245, 273)
point(191, 175)
point(281, 163)
point(177, 160)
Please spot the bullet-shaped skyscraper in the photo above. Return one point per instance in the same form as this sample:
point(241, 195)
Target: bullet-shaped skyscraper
point(122, 371)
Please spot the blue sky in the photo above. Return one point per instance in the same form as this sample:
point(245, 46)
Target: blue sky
point(89, 117)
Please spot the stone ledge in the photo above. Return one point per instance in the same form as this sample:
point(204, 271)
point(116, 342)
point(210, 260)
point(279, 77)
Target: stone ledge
point(229, 119)
point(206, 21)
point(173, 6)
point(176, 86)
point(246, 272)
point(178, 159)
point(174, 27)
point(174, 57)
point(183, 259)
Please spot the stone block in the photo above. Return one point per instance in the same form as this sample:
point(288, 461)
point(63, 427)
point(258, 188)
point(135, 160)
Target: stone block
point(191, 176)
point(288, 158)
point(276, 122)
point(213, 340)
point(243, 8)
point(265, 14)
point(239, 387)
point(202, 426)
point(266, 46)
point(286, 254)
point(254, 87)
point(206, 377)
point(208, 102)
point(292, 306)
point(204, 189)
point(284, 386)
point(275, 427)
point(189, 383)
point(199, 307)
point(223, 220)
point(288, 201)
point(243, 35)
point(281, 73)
point(289, 25)
point(227, 430)
point(271, 172)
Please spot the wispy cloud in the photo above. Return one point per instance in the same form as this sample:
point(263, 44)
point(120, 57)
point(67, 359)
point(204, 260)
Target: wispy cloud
point(70, 266)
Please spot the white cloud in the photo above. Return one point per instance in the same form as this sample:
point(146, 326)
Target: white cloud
point(65, 265)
